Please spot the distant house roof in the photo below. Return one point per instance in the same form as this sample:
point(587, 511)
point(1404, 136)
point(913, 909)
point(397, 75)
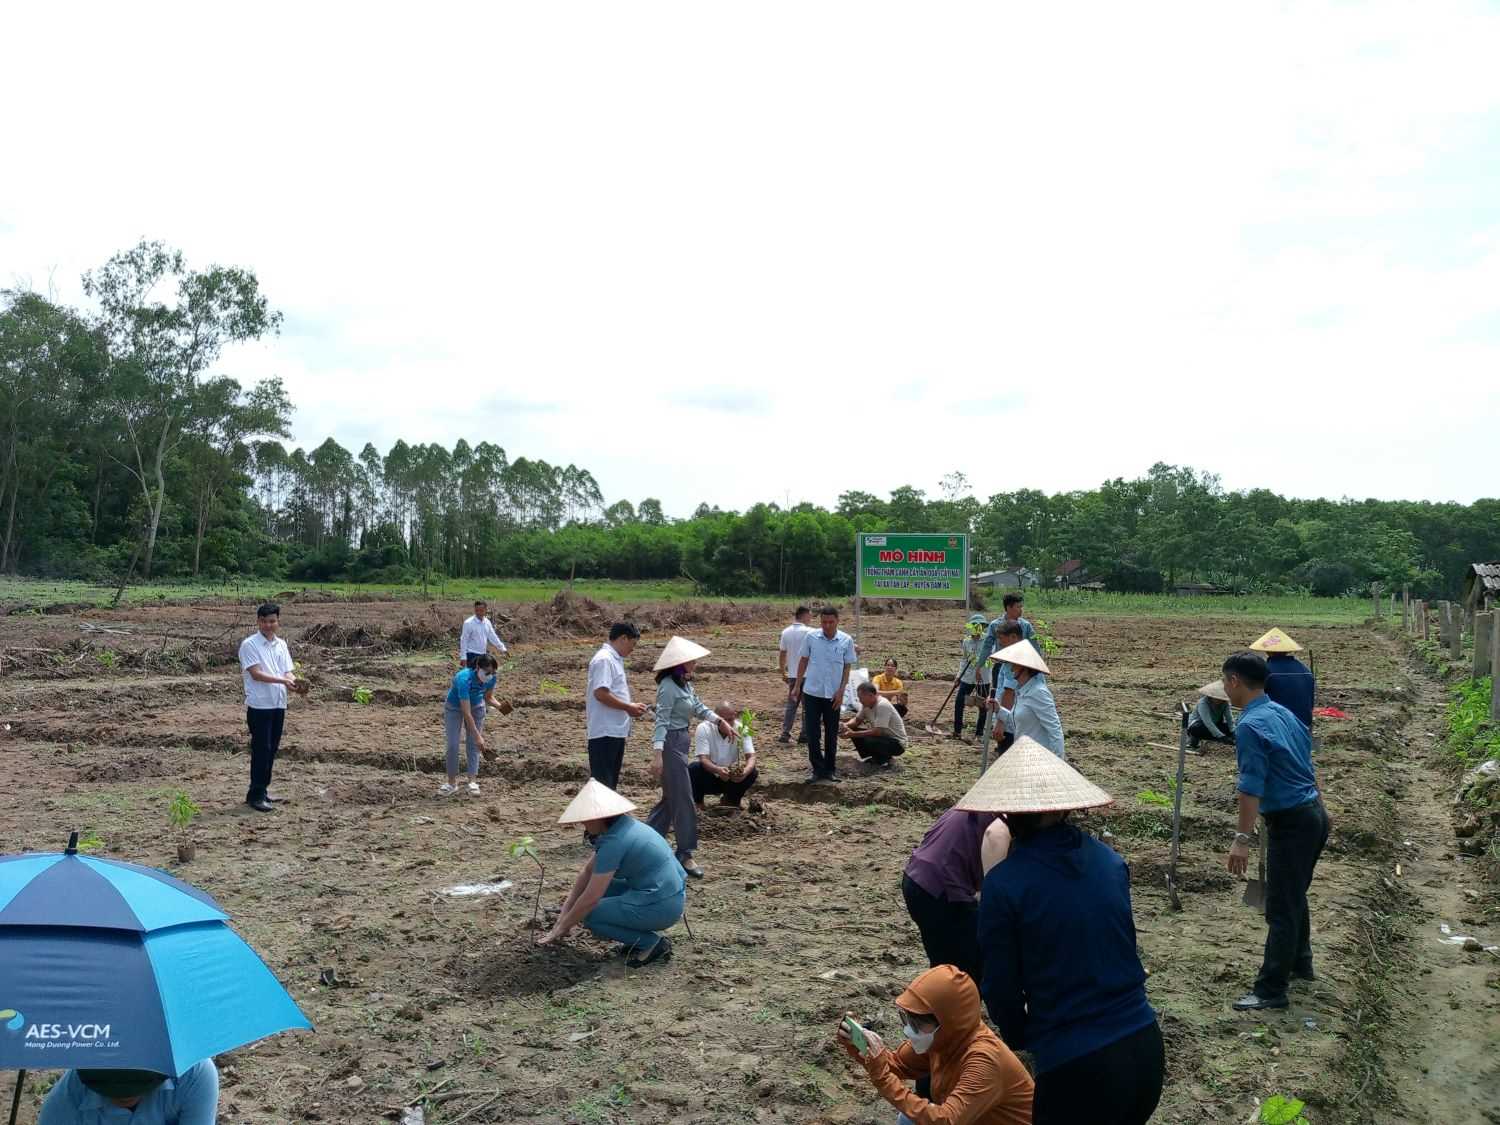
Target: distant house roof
point(1484, 575)
point(1072, 566)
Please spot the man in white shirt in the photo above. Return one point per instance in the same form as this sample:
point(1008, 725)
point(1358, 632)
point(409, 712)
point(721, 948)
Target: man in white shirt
point(716, 766)
point(608, 706)
point(478, 636)
point(878, 732)
point(266, 663)
point(788, 656)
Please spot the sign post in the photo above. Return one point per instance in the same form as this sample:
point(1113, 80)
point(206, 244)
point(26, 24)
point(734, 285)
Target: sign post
point(919, 566)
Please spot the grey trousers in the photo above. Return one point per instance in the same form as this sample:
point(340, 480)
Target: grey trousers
point(792, 707)
point(453, 727)
point(675, 809)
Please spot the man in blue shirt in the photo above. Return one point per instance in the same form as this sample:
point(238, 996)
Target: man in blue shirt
point(822, 675)
point(1274, 753)
point(1013, 604)
point(139, 1097)
point(1288, 680)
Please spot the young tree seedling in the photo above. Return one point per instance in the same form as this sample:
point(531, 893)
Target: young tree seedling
point(1277, 1110)
point(181, 812)
point(526, 847)
point(363, 695)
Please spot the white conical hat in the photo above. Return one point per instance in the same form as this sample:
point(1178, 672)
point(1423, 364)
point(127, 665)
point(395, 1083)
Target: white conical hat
point(595, 801)
point(1029, 778)
point(1215, 690)
point(1023, 654)
point(1276, 640)
point(679, 650)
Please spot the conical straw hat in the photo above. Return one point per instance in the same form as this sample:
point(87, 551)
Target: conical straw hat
point(1023, 654)
point(679, 650)
point(1215, 690)
point(595, 801)
point(1276, 641)
point(1029, 778)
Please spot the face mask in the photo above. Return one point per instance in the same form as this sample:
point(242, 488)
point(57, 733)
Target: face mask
point(921, 1042)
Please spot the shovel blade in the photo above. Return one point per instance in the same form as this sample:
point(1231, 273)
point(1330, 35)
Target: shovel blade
point(1255, 895)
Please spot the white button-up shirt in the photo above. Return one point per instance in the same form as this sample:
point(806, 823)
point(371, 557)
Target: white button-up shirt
point(607, 670)
point(477, 634)
point(274, 659)
point(792, 638)
point(709, 743)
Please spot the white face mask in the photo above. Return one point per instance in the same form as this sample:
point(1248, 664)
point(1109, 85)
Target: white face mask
point(921, 1042)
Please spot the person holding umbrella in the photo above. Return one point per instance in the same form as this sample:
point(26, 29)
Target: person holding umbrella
point(677, 705)
point(1062, 976)
point(84, 1097)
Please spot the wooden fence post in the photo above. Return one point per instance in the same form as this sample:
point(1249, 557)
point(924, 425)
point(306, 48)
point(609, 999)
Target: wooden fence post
point(1406, 608)
point(1455, 631)
point(1483, 623)
point(1375, 597)
point(1424, 626)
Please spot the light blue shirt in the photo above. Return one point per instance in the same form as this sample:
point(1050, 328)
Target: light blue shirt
point(192, 1099)
point(826, 660)
point(1035, 716)
point(469, 683)
point(676, 708)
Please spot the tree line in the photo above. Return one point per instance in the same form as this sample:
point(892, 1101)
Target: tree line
point(123, 455)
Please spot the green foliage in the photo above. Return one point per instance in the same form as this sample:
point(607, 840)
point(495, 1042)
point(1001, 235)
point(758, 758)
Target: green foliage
point(363, 695)
point(1278, 1110)
point(90, 842)
point(1152, 797)
point(525, 848)
point(182, 811)
point(107, 658)
point(1472, 735)
point(552, 687)
point(1044, 637)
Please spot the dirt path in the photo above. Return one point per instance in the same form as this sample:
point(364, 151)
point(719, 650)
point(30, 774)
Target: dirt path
point(1445, 1059)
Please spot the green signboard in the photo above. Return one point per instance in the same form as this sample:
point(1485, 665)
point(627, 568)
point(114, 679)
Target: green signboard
point(892, 565)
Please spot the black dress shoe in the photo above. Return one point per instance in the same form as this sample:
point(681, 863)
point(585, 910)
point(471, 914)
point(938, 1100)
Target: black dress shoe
point(1254, 1003)
point(260, 804)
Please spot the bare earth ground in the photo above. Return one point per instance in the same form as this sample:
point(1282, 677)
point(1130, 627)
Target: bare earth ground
point(800, 917)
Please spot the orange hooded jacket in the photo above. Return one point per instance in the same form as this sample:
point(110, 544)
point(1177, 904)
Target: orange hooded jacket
point(976, 1078)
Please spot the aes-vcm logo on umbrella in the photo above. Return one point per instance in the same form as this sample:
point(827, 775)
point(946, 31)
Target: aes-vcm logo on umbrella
point(58, 1034)
point(14, 1020)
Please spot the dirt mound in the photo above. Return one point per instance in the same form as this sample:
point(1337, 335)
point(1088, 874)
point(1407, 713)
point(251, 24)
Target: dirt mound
point(330, 635)
point(130, 768)
point(430, 631)
point(572, 615)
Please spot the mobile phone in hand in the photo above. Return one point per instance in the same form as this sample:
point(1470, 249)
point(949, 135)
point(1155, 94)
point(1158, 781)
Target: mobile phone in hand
point(857, 1036)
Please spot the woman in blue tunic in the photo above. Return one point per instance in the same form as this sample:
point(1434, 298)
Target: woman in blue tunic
point(631, 888)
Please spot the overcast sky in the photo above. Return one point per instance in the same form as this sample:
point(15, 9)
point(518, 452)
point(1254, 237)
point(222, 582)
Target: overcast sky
point(732, 252)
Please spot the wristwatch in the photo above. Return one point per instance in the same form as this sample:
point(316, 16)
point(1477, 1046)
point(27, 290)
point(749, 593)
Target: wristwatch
point(1243, 838)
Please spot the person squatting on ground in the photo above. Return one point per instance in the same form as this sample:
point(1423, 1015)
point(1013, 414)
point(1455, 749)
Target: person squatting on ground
point(788, 657)
point(941, 888)
point(1289, 682)
point(478, 637)
point(822, 674)
point(608, 705)
point(716, 766)
point(266, 663)
point(890, 687)
point(470, 696)
point(631, 888)
point(1277, 781)
point(677, 705)
point(1033, 714)
point(90, 1097)
point(1062, 976)
point(973, 676)
point(877, 732)
point(973, 1077)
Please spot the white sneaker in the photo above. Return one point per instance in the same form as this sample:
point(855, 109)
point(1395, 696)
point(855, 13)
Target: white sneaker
point(447, 790)
point(473, 788)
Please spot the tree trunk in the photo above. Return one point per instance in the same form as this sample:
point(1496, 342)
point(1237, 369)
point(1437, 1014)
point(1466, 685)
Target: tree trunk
point(8, 559)
point(98, 502)
point(204, 504)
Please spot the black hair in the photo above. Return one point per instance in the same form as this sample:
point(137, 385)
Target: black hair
point(1022, 825)
point(486, 661)
point(1011, 599)
point(1248, 666)
point(892, 660)
point(270, 609)
point(481, 602)
point(828, 611)
point(624, 629)
point(1009, 629)
point(800, 610)
point(868, 685)
point(677, 674)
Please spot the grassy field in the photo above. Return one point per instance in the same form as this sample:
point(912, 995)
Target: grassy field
point(1039, 603)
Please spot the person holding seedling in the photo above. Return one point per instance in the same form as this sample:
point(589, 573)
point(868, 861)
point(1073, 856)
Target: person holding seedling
point(1033, 714)
point(1289, 682)
point(971, 1075)
point(717, 767)
point(631, 888)
point(1062, 976)
point(973, 675)
point(890, 687)
point(1277, 781)
point(877, 731)
point(478, 637)
point(677, 705)
point(470, 696)
point(608, 706)
point(266, 664)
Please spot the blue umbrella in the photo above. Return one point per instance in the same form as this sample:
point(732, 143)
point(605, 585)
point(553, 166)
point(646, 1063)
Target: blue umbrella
point(111, 965)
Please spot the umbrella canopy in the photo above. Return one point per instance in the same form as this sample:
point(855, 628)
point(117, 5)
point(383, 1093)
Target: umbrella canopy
point(112, 965)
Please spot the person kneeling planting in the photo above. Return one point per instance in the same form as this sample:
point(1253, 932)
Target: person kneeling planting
point(631, 888)
point(717, 767)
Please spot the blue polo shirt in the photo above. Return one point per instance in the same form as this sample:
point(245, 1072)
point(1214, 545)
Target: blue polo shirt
point(826, 660)
point(1289, 683)
point(192, 1099)
point(469, 682)
point(1274, 751)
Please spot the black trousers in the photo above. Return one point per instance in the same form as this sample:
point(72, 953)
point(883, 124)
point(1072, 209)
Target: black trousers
point(950, 930)
point(731, 792)
point(1294, 841)
point(881, 747)
point(960, 698)
point(266, 725)
point(606, 756)
point(1116, 1085)
point(821, 718)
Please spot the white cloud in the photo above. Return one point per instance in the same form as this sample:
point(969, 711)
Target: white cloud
point(730, 253)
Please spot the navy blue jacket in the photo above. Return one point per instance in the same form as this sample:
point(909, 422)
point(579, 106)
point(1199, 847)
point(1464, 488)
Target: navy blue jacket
point(1061, 974)
point(1289, 683)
